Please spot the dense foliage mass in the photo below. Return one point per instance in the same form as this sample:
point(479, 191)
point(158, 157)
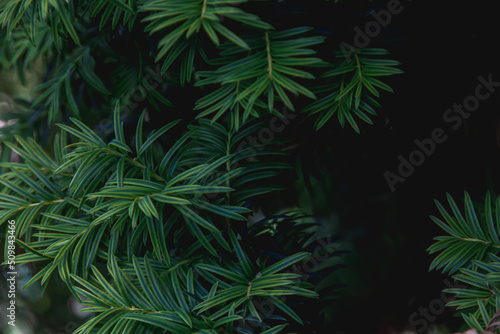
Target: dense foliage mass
point(141, 198)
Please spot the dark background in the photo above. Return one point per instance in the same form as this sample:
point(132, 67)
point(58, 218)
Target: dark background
point(443, 49)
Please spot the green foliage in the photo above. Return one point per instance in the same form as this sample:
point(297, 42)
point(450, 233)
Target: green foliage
point(129, 171)
point(184, 19)
point(255, 72)
point(27, 14)
point(104, 203)
point(471, 251)
point(354, 94)
point(265, 71)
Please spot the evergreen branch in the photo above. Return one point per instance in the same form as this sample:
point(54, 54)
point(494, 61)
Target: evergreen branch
point(264, 72)
point(354, 94)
